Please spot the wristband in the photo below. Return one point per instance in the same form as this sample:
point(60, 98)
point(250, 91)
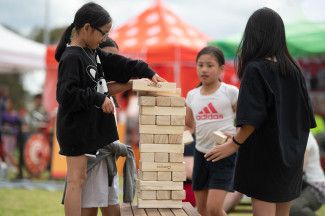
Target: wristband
point(236, 142)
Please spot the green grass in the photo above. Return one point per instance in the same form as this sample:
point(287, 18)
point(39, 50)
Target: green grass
point(24, 202)
point(38, 202)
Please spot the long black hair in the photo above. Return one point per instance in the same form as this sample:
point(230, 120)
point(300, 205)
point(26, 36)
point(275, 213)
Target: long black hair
point(264, 37)
point(91, 13)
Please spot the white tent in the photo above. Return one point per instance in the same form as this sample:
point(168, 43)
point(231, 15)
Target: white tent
point(19, 54)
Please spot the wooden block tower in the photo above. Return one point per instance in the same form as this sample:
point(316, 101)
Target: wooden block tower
point(162, 168)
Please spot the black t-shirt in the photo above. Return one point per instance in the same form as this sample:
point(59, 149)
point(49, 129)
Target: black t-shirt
point(82, 126)
point(269, 163)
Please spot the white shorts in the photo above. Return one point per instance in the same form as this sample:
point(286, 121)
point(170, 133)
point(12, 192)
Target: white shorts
point(95, 191)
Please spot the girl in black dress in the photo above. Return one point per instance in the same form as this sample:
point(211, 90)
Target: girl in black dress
point(85, 122)
point(274, 117)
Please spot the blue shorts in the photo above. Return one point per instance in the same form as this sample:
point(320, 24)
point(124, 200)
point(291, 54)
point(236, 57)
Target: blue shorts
point(213, 175)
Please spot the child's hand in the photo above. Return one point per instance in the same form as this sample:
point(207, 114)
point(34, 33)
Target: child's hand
point(156, 78)
point(107, 106)
point(221, 151)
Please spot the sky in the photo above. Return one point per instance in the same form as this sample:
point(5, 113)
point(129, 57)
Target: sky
point(216, 18)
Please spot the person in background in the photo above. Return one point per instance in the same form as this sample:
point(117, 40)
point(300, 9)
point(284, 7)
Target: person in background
point(313, 192)
point(274, 117)
point(10, 126)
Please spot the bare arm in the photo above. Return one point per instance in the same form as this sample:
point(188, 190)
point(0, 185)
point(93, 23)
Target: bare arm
point(189, 120)
point(115, 87)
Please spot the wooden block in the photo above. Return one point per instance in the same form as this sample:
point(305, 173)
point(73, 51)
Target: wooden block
point(147, 101)
point(147, 156)
point(146, 85)
point(177, 120)
point(148, 176)
point(161, 157)
point(160, 138)
point(187, 137)
point(219, 137)
point(159, 203)
point(177, 101)
point(179, 176)
point(176, 157)
point(144, 110)
point(160, 185)
point(163, 101)
point(178, 195)
point(176, 93)
point(148, 194)
point(163, 195)
point(147, 119)
point(175, 138)
point(164, 176)
point(173, 148)
point(149, 166)
point(163, 120)
point(161, 129)
point(145, 138)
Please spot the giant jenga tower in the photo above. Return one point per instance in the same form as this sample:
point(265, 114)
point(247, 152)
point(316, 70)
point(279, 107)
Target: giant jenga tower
point(162, 169)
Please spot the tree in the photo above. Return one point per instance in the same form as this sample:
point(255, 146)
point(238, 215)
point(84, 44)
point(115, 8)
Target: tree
point(55, 34)
point(13, 83)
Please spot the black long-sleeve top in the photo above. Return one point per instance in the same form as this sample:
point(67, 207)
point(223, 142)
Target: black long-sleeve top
point(82, 126)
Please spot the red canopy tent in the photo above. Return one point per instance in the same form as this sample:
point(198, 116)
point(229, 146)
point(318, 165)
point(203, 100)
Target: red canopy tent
point(163, 40)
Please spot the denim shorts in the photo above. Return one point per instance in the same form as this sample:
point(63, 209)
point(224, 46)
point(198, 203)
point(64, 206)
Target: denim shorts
point(213, 175)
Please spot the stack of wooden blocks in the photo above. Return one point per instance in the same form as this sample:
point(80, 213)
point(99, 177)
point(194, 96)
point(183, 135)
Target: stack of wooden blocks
point(162, 169)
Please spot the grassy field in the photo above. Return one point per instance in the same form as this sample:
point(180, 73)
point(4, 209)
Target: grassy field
point(22, 202)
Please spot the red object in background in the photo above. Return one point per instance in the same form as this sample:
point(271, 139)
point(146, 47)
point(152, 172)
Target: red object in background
point(49, 94)
point(37, 154)
point(189, 194)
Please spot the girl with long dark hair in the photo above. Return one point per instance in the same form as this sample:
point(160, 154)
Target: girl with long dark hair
point(85, 122)
point(274, 116)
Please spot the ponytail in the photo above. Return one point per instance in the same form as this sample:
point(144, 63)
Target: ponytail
point(91, 13)
point(65, 39)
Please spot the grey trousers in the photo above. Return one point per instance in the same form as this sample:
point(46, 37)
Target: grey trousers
point(306, 204)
